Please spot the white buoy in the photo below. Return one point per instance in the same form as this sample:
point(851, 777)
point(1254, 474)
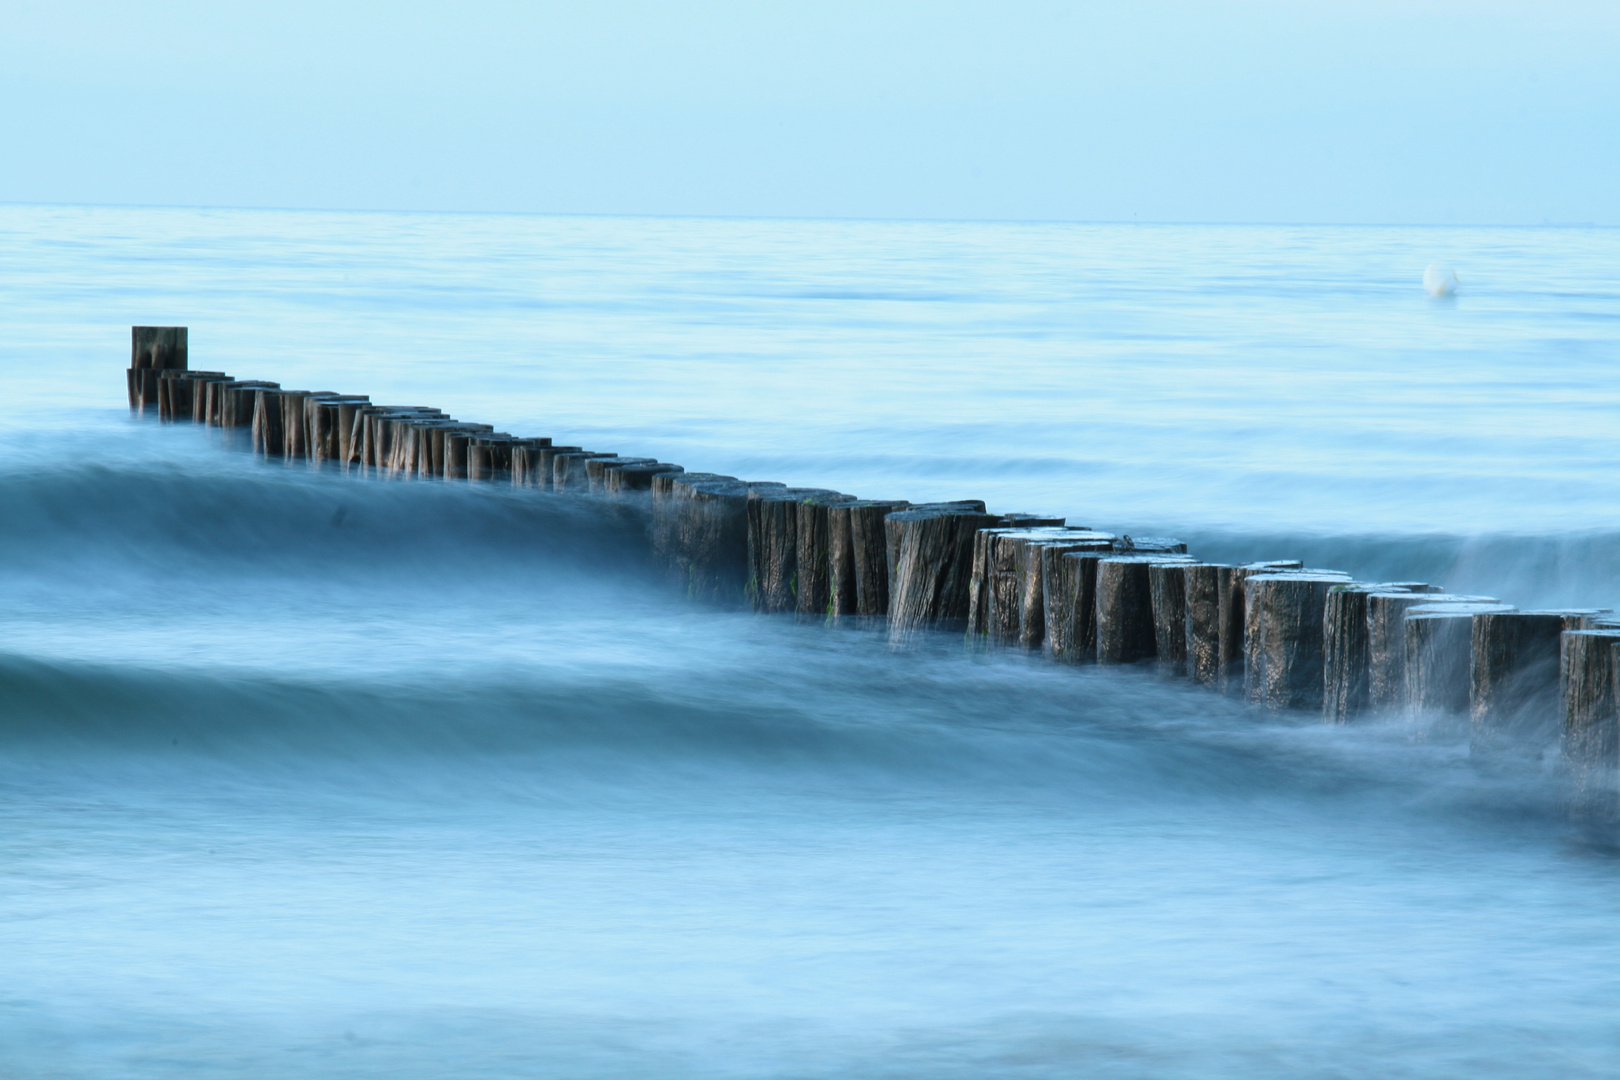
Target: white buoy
point(1440, 280)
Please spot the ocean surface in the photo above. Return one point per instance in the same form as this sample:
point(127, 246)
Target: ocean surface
point(311, 774)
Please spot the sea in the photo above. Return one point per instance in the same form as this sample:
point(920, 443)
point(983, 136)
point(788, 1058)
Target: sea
point(317, 774)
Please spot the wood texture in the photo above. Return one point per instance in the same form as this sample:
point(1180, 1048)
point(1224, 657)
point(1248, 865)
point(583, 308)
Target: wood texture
point(1439, 656)
point(857, 557)
point(1591, 742)
point(1202, 586)
point(153, 349)
point(1233, 618)
point(773, 545)
point(1283, 643)
point(1167, 582)
point(1346, 657)
point(1124, 615)
point(1386, 642)
point(1513, 702)
point(815, 555)
point(930, 557)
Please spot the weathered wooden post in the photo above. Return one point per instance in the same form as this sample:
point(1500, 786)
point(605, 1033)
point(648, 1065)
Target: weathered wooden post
point(1439, 656)
point(1283, 615)
point(568, 469)
point(815, 555)
point(1069, 595)
point(324, 419)
point(712, 536)
point(294, 434)
point(153, 349)
point(1591, 742)
point(177, 392)
point(200, 394)
point(596, 470)
point(1015, 600)
point(669, 520)
point(1036, 560)
point(995, 588)
point(930, 556)
point(1386, 642)
point(773, 545)
point(267, 412)
point(526, 463)
point(1124, 607)
point(1234, 618)
point(548, 463)
point(625, 481)
point(1346, 647)
point(1202, 585)
point(237, 400)
point(1124, 617)
point(1076, 593)
point(456, 445)
point(1513, 702)
point(1167, 583)
point(982, 579)
point(857, 553)
point(174, 391)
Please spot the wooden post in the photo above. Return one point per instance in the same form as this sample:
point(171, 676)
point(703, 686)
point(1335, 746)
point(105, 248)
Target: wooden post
point(267, 412)
point(669, 508)
point(857, 552)
point(1167, 582)
point(981, 581)
point(626, 480)
point(596, 470)
point(1386, 642)
point(1439, 656)
point(1203, 632)
point(568, 469)
point(1069, 595)
point(548, 462)
point(1283, 643)
point(1000, 588)
point(237, 400)
point(324, 417)
point(1124, 615)
point(153, 349)
point(1346, 647)
point(177, 392)
point(1032, 556)
point(815, 555)
point(526, 463)
point(930, 556)
point(1591, 743)
point(1037, 560)
point(174, 392)
point(1513, 678)
point(201, 392)
point(1234, 619)
point(1077, 607)
point(773, 545)
point(711, 542)
point(456, 444)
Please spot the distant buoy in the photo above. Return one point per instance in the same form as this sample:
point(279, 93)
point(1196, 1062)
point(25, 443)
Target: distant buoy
point(1440, 280)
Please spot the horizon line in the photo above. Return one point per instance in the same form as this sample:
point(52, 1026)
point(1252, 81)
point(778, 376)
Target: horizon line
point(809, 217)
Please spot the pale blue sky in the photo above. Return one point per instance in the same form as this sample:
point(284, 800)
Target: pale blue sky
point(1364, 112)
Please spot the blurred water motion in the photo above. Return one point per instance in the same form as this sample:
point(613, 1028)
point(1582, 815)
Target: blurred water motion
point(310, 773)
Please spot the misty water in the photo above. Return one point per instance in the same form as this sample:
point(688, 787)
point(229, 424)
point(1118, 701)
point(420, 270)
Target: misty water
point(306, 773)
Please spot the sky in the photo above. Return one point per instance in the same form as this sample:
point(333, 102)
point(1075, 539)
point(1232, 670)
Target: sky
point(1442, 113)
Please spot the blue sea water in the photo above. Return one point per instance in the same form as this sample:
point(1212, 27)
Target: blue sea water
point(311, 773)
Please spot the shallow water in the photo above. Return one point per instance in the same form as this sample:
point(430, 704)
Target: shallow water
point(311, 773)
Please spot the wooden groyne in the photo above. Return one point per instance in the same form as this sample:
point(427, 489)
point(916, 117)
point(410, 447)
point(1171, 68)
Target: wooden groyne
point(1276, 633)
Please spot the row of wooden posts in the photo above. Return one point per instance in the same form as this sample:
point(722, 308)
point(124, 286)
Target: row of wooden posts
point(1283, 636)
